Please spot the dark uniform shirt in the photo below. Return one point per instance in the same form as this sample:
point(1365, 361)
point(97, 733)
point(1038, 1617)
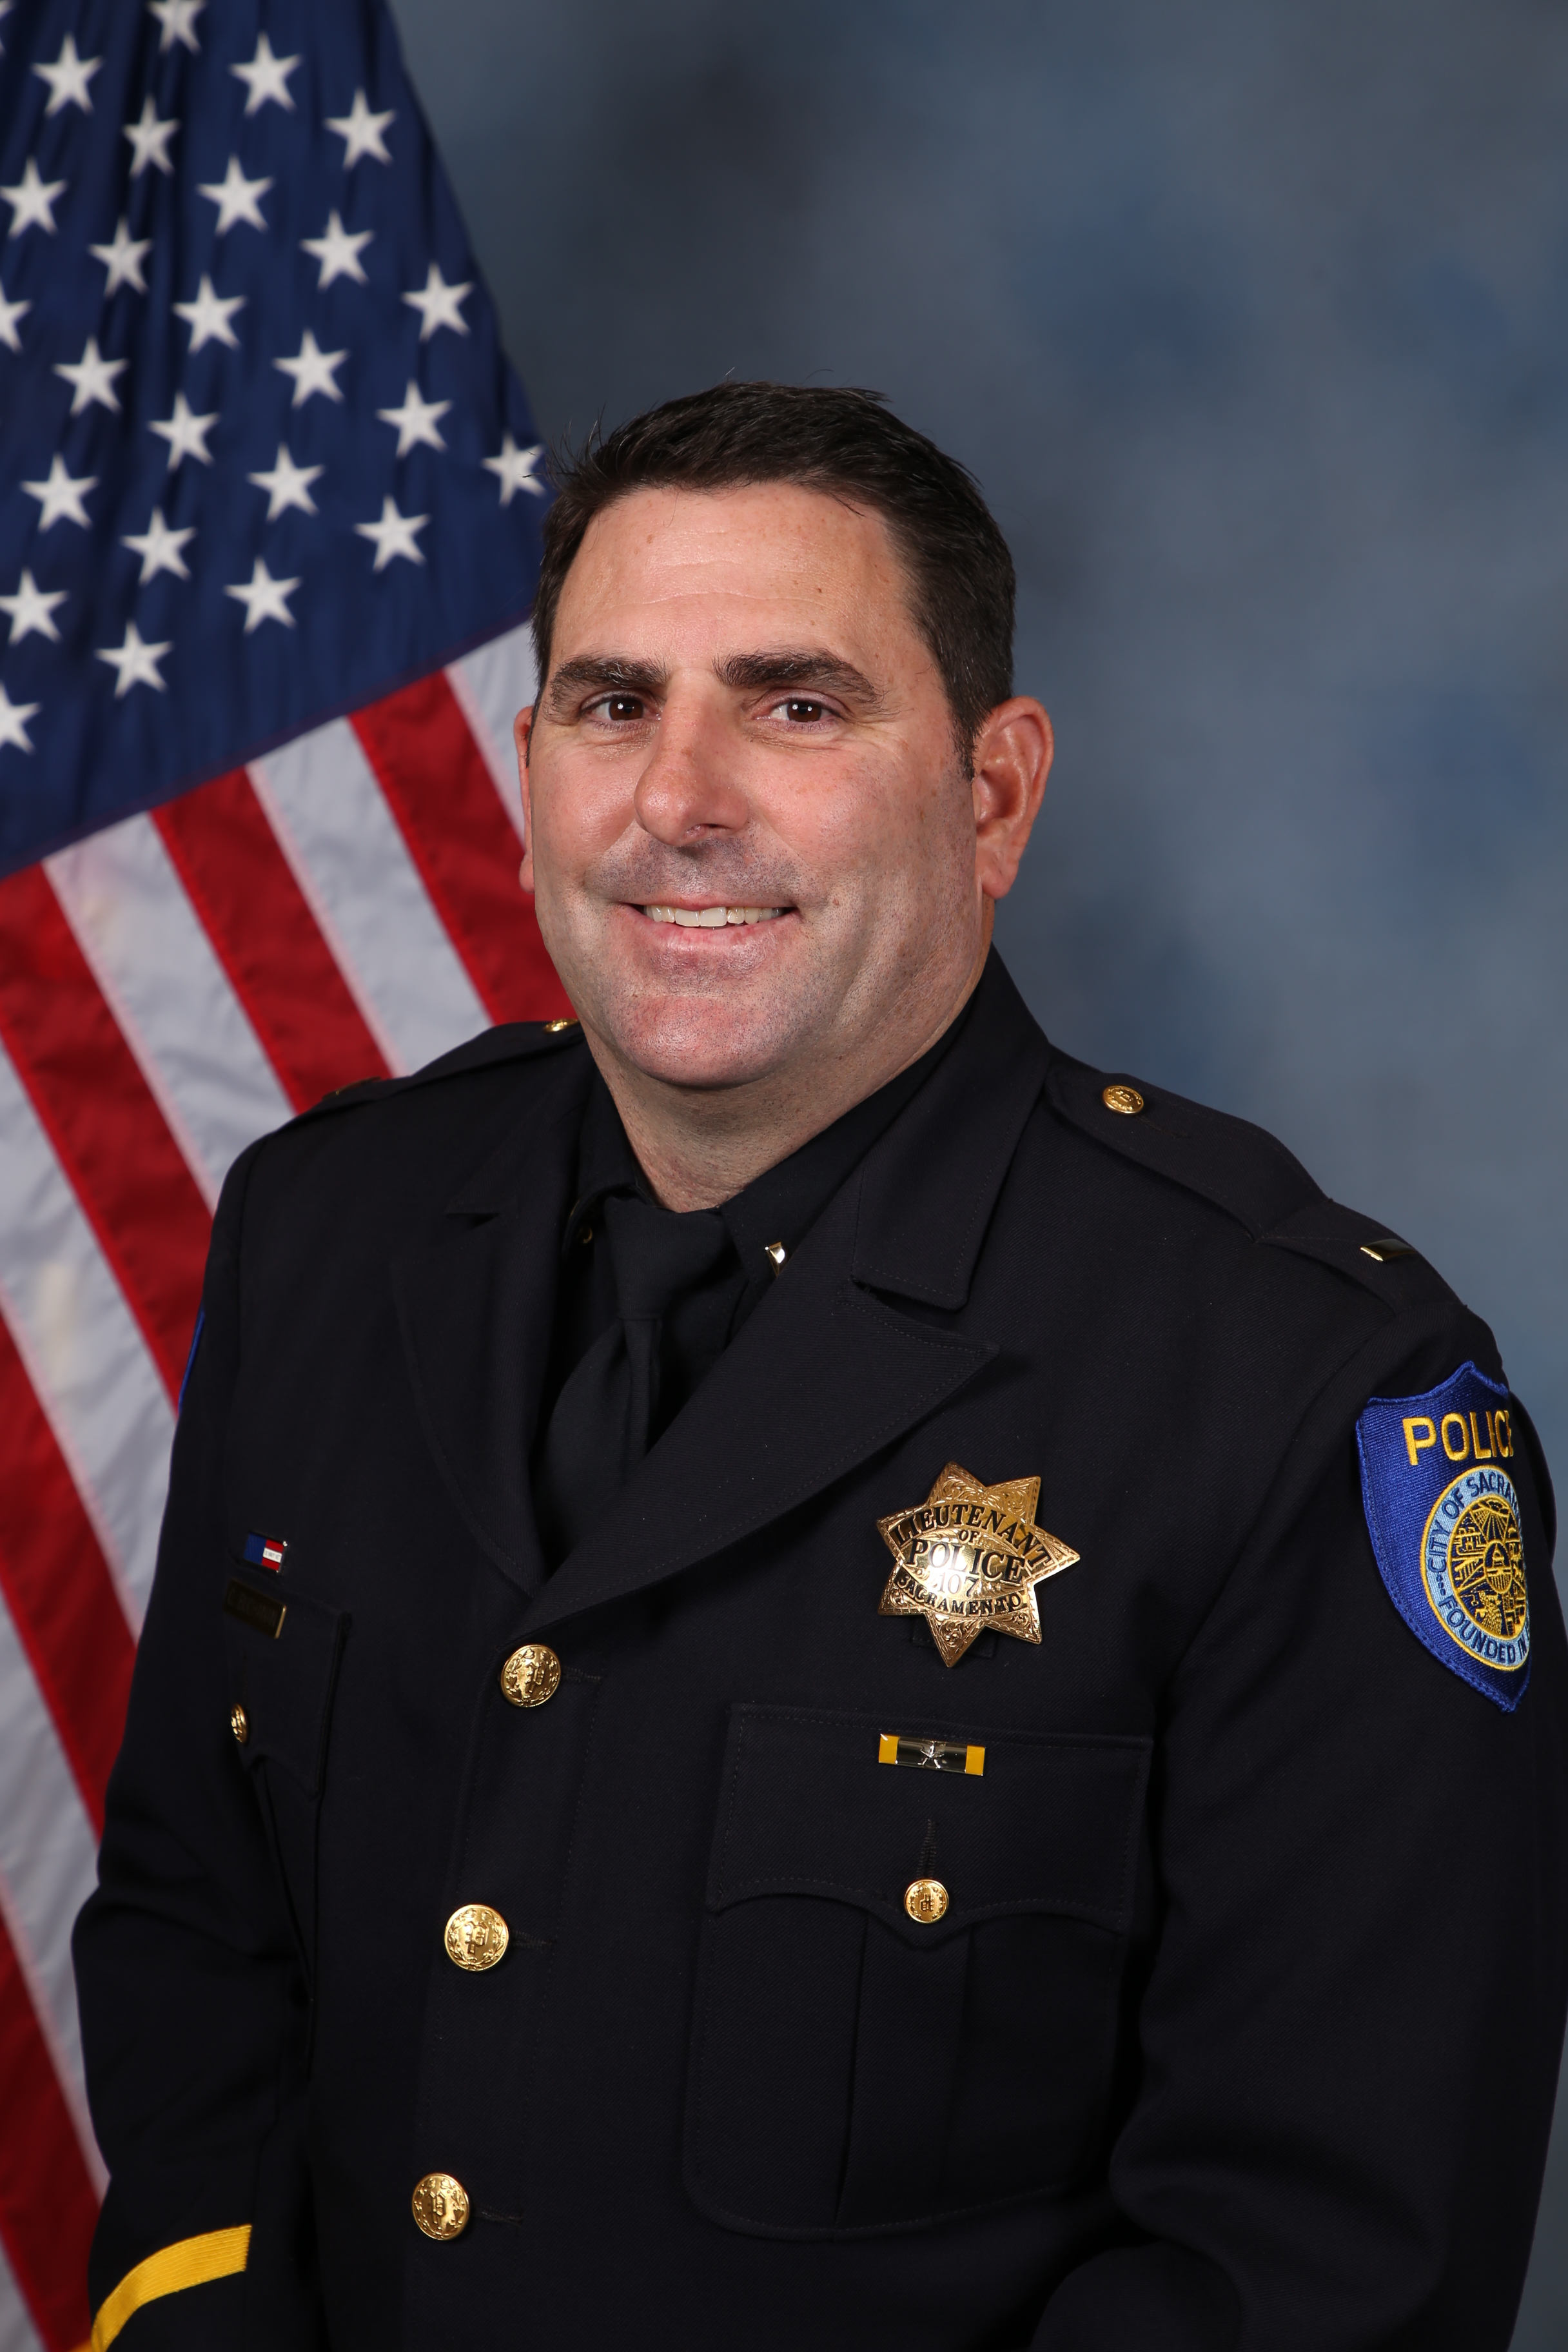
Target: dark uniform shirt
point(696, 1938)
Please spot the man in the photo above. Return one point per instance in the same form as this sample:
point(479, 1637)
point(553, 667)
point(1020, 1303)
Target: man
point(815, 1675)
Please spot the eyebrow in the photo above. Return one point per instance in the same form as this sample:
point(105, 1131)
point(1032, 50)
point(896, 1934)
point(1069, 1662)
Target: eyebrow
point(810, 665)
point(748, 673)
point(605, 674)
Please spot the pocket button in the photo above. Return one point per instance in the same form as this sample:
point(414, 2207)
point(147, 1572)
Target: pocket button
point(926, 1900)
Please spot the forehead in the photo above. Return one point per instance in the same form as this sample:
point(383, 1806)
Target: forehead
point(677, 567)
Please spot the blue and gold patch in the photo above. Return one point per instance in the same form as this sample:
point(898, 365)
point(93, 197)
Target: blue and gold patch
point(1444, 1519)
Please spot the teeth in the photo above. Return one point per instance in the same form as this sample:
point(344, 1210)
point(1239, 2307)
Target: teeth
point(711, 919)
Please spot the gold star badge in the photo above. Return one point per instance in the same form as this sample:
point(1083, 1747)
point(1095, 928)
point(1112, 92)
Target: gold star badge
point(968, 1560)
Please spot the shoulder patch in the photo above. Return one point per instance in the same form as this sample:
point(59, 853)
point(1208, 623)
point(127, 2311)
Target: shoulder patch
point(1444, 1519)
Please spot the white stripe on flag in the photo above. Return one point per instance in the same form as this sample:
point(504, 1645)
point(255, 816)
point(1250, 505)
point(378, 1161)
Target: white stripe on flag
point(88, 1364)
point(17, 2333)
point(48, 1870)
point(170, 994)
point(350, 861)
point(491, 685)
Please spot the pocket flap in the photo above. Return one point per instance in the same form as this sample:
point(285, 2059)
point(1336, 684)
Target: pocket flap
point(1050, 1824)
point(283, 1649)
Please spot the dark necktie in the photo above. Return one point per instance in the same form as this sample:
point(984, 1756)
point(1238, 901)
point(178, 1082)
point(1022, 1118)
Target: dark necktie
point(675, 1283)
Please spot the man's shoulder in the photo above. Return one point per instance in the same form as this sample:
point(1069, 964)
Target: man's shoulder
point(388, 1148)
point(1221, 1162)
point(510, 1043)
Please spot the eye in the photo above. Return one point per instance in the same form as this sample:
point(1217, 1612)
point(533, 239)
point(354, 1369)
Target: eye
point(799, 710)
point(619, 710)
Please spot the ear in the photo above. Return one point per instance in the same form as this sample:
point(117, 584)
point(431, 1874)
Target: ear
point(521, 727)
point(1012, 761)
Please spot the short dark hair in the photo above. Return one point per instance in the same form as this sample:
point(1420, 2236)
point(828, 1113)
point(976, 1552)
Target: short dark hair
point(845, 442)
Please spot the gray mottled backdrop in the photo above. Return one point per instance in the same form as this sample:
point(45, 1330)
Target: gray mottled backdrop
point(1254, 324)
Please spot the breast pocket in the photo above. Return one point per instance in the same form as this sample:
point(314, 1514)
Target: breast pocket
point(283, 1650)
point(859, 2065)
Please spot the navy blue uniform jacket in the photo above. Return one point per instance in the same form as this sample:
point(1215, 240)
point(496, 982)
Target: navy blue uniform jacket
point(1240, 2033)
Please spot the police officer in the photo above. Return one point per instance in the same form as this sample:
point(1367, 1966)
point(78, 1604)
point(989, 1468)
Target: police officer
point(815, 1675)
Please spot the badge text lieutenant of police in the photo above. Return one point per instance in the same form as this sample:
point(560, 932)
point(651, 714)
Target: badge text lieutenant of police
point(818, 1677)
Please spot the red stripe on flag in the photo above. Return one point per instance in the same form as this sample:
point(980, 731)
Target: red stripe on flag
point(107, 1131)
point(48, 2205)
point(266, 940)
point(444, 798)
point(58, 1587)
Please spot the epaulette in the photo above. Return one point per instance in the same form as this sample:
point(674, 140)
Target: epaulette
point(1244, 1170)
point(510, 1041)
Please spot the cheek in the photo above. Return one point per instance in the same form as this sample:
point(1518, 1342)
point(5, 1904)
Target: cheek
point(577, 811)
point(864, 818)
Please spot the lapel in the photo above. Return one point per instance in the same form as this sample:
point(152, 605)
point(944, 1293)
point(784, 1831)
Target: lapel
point(827, 1371)
point(475, 1302)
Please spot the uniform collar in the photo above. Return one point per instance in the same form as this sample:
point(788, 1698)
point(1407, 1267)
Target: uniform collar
point(826, 1371)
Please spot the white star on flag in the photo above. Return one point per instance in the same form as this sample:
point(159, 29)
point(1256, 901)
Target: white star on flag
point(123, 258)
point(264, 598)
point(186, 434)
point(92, 378)
point(135, 663)
point(360, 132)
point(266, 78)
point(514, 468)
point(237, 198)
point(338, 252)
point(209, 315)
point(67, 78)
point(178, 18)
point(288, 485)
point(393, 535)
point(61, 495)
point(32, 610)
point(13, 718)
point(9, 314)
point(416, 421)
point(150, 140)
point(32, 201)
point(312, 371)
point(159, 548)
point(437, 304)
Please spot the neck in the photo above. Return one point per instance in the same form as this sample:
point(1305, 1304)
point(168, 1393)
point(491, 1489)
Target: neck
point(700, 1146)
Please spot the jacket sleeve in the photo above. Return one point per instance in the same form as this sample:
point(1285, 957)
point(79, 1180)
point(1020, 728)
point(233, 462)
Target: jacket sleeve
point(1350, 2031)
point(192, 1990)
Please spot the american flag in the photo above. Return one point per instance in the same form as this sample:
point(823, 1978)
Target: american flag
point(269, 507)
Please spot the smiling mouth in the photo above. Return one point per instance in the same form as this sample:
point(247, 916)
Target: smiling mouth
point(712, 919)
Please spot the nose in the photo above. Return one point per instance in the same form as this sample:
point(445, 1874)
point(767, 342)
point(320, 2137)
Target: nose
point(688, 787)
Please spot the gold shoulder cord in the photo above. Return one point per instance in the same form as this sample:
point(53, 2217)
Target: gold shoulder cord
point(219, 2253)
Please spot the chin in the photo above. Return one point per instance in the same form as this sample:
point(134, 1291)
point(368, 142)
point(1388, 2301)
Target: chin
point(701, 1041)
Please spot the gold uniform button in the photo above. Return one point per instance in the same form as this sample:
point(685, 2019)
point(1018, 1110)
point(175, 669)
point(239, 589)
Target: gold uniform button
point(531, 1674)
point(441, 2206)
point(476, 1938)
point(926, 1900)
point(553, 1028)
point(1126, 1100)
point(239, 1723)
